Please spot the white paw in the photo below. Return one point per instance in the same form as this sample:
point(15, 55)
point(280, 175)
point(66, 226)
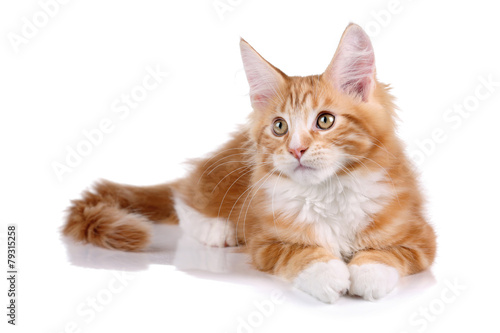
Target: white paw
point(210, 231)
point(326, 281)
point(215, 232)
point(372, 281)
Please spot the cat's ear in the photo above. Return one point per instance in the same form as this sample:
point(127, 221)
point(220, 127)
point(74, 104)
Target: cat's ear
point(352, 70)
point(263, 78)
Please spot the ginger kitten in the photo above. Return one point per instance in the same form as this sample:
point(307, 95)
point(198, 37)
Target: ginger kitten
point(316, 186)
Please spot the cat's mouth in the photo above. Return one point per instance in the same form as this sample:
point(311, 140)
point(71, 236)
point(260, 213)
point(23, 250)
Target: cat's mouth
point(302, 167)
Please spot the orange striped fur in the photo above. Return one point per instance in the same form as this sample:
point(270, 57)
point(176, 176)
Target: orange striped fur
point(363, 225)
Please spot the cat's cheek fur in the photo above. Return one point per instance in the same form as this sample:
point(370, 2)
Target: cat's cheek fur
point(216, 232)
point(372, 281)
point(326, 281)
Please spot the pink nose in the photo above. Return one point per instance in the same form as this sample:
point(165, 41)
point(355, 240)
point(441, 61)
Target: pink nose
point(298, 152)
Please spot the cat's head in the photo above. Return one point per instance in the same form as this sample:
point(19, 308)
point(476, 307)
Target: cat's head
point(310, 128)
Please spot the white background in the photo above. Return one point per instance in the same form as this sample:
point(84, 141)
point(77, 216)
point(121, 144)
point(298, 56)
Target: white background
point(65, 78)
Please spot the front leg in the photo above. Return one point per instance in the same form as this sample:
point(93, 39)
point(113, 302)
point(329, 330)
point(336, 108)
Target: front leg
point(311, 268)
point(374, 273)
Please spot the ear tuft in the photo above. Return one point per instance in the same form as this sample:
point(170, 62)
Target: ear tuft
point(263, 78)
point(352, 70)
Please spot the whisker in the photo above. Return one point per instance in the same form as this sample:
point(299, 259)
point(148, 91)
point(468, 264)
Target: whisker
point(227, 191)
point(250, 202)
point(383, 148)
point(220, 181)
point(358, 158)
point(222, 158)
point(222, 202)
point(243, 205)
point(219, 165)
point(221, 152)
point(241, 161)
point(272, 205)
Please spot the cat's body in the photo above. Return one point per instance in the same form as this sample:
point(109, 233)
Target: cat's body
point(316, 186)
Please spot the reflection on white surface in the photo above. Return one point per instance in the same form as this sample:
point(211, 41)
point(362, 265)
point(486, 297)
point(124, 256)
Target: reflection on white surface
point(171, 247)
point(161, 251)
point(179, 276)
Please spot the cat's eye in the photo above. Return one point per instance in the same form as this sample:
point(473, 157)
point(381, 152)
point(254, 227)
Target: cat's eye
point(280, 127)
point(325, 121)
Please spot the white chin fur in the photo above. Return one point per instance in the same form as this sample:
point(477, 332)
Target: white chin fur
point(311, 176)
point(372, 281)
point(326, 281)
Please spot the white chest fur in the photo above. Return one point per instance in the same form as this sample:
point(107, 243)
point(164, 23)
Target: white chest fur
point(336, 210)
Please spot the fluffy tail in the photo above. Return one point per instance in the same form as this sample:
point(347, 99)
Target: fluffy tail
point(119, 216)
